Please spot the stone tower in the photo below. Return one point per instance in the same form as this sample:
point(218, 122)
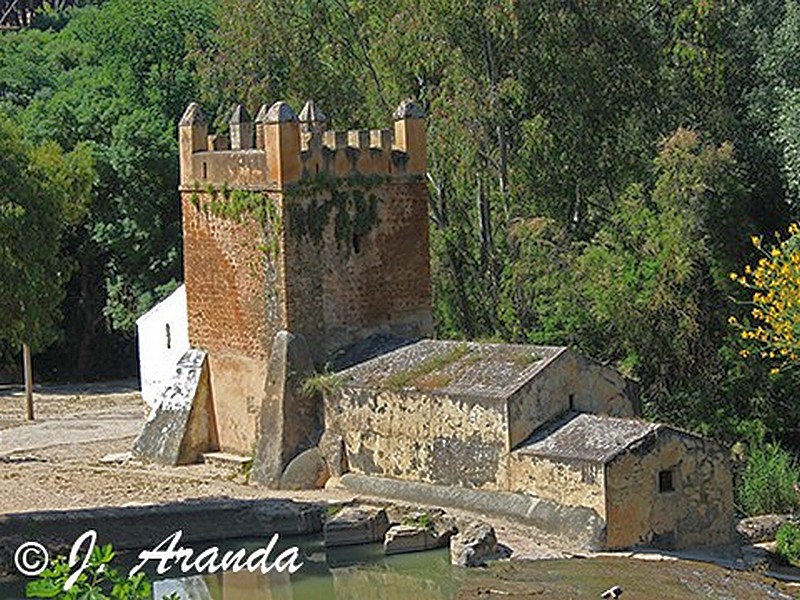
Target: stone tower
point(289, 226)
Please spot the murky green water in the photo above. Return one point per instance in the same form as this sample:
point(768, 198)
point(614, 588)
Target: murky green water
point(363, 573)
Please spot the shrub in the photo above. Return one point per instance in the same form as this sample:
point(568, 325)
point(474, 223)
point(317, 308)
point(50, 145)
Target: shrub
point(788, 539)
point(769, 481)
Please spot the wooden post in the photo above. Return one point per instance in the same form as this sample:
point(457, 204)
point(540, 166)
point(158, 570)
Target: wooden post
point(26, 365)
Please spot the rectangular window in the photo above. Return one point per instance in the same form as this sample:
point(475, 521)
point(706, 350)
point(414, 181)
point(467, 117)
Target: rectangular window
point(666, 481)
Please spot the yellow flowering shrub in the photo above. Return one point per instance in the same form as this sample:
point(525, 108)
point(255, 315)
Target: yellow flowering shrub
point(775, 304)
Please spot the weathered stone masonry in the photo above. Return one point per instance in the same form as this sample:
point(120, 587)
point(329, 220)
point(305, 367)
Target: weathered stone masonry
point(291, 227)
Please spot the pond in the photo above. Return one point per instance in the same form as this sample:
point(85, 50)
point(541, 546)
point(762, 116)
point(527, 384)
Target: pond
point(364, 573)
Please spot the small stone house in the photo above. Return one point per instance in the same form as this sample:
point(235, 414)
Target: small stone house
point(651, 483)
point(541, 421)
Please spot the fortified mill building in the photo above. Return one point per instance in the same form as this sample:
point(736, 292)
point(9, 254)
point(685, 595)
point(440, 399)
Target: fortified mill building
point(307, 319)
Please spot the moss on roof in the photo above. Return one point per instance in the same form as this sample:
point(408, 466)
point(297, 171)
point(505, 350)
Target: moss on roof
point(455, 368)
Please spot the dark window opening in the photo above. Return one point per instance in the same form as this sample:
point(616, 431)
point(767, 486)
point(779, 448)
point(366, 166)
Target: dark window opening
point(205, 170)
point(666, 481)
point(356, 243)
point(572, 401)
point(169, 337)
point(317, 169)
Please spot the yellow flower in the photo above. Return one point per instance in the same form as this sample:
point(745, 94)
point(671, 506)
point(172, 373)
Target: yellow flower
point(756, 241)
point(774, 371)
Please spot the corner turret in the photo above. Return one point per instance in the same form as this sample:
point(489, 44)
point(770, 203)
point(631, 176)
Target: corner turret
point(409, 135)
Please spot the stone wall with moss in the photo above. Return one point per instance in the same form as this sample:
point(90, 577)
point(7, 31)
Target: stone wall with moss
point(356, 259)
point(571, 383)
point(234, 298)
point(567, 482)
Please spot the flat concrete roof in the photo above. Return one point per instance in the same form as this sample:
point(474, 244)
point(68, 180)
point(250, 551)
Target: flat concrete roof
point(586, 437)
point(463, 369)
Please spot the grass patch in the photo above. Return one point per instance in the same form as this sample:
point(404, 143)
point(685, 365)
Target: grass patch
point(325, 384)
point(332, 510)
point(418, 520)
point(413, 376)
point(525, 358)
point(769, 480)
point(788, 543)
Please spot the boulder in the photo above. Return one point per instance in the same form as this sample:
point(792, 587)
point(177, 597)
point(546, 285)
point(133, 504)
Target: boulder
point(356, 525)
point(474, 546)
point(307, 471)
point(764, 527)
point(413, 538)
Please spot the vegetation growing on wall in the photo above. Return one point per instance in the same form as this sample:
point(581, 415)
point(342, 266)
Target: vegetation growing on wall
point(238, 205)
point(349, 201)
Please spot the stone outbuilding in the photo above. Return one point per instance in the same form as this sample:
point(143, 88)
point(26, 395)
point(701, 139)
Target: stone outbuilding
point(450, 412)
point(536, 420)
point(651, 483)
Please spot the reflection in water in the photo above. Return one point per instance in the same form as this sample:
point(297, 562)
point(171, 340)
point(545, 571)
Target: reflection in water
point(355, 572)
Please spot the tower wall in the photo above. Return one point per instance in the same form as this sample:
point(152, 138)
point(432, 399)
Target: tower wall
point(317, 232)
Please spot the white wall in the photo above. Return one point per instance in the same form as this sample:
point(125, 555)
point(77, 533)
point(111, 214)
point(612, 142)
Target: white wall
point(163, 334)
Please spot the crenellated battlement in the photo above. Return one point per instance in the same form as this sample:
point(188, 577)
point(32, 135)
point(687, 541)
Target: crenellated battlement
point(279, 148)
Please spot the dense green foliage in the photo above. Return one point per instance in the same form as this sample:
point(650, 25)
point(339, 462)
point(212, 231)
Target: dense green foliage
point(112, 81)
point(769, 482)
point(43, 192)
point(788, 543)
point(596, 169)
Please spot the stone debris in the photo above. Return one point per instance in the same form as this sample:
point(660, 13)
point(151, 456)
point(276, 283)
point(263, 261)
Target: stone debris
point(763, 528)
point(474, 546)
point(306, 471)
point(413, 538)
point(116, 458)
point(356, 525)
point(755, 558)
point(181, 425)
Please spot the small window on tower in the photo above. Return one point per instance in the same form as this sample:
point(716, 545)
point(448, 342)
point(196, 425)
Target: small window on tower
point(356, 243)
point(666, 481)
point(169, 337)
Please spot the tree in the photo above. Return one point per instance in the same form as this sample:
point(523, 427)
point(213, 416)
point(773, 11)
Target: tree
point(774, 323)
point(117, 78)
point(43, 192)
